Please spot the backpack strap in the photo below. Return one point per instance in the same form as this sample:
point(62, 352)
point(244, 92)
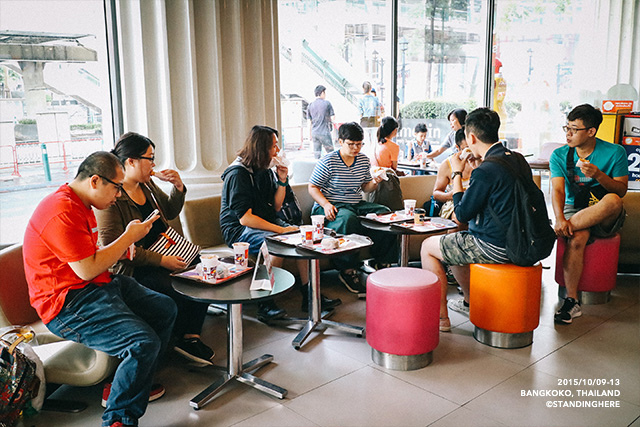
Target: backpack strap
point(571, 171)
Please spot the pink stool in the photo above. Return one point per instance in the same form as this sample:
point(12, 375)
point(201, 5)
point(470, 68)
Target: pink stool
point(599, 272)
point(403, 308)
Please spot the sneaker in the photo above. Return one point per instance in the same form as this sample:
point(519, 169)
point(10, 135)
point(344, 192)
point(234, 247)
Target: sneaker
point(268, 311)
point(458, 305)
point(371, 266)
point(445, 325)
point(157, 391)
point(194, 349)
point(569, 309)
point(351, 280)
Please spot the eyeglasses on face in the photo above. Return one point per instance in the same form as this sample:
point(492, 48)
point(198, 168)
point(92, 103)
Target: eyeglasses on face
point(571, 131)
point(354, 144)
point(151, 159)
point(118, 186)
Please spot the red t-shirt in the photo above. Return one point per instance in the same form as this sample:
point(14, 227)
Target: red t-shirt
point(61, 230)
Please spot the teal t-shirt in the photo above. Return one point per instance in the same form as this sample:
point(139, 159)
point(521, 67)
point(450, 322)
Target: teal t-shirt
point(609, 158)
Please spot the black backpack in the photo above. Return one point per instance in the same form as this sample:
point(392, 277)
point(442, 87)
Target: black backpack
point(529, 235)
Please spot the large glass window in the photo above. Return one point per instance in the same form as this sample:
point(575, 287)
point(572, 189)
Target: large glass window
point(55, 105)
point(340, 45)
point(441, 62)
point(547, 59)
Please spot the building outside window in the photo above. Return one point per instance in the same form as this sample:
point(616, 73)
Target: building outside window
point(55, 105)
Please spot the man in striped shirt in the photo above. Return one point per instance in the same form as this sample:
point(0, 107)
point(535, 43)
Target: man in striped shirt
point(336, 184)
point(491, 185)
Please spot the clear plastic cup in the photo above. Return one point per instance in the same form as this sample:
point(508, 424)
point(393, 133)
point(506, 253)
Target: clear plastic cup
point(317, 222)
point(241, 254)
point(409, 206)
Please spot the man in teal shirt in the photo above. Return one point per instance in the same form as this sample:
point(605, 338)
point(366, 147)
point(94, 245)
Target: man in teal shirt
point(596, 164)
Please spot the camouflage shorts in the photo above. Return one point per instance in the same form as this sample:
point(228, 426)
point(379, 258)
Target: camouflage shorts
point(461, 249)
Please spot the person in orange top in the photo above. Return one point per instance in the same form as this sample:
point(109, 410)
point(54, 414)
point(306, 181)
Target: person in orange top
point(385, 153)
point(79, 300)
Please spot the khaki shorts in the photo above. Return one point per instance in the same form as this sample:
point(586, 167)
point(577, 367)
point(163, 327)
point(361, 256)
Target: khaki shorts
point(461, 249)
point(598, 230)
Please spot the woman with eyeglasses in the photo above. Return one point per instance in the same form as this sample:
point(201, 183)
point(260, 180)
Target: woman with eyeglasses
point(140, 196)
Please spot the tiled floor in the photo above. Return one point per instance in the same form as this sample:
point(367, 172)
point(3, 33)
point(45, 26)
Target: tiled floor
point(333, 382)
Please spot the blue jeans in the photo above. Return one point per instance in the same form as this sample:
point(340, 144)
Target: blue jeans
point(123, 319)
point(320, 141)
point(255, 237)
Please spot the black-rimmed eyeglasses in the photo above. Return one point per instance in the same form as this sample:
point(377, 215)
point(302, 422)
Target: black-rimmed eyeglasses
point(152, 158)
point(570, 130)
point(118, 186)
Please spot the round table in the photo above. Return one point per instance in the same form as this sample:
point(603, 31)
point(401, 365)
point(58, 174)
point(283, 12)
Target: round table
point(234, 293)
point(404, 234)
point(316, 318)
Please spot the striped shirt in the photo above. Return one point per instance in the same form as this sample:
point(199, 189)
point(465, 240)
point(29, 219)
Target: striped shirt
point(339, 182)
point(491, 251)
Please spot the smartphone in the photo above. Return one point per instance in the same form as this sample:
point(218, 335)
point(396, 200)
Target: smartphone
point(152, 214)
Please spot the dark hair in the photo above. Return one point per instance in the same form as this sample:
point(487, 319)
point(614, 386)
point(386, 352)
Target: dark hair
point(389, 124)
point(367, 87)
point(351, 131)
point(460, 136)
point(131, 145)
point(257, 147)
point(373, 91)
point(99, 163)
point(484, 124)
point(460, 113)
point(420, 127)
point(590, 116)
point(319, 89)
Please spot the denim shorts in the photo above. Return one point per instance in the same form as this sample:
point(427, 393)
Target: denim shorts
point(461, 249)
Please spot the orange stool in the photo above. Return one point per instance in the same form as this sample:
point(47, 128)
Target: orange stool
point(599, 273)
point(504, 303)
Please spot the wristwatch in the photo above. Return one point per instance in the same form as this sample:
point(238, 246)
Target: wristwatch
point(453, 175)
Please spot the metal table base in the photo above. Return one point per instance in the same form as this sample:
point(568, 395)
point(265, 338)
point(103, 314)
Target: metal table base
point(316, 320)
point(235, 369)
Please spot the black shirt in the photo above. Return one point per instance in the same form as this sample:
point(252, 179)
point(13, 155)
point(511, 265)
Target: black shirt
point(245, 189)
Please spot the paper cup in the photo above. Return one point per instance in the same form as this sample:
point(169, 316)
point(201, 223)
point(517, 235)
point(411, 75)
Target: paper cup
point(409, 206)
point(317, 222)
point(241, 254)
point(209, 263)
point(306, 231)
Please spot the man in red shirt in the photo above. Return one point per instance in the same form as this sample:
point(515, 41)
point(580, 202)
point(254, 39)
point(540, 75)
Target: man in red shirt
point(79, 300)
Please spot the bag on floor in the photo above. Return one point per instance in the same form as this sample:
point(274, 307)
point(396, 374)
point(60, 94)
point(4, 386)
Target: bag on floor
point(19, 382)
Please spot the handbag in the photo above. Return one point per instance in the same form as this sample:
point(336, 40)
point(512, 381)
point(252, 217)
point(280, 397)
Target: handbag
point(19, 382)
point(584, 195)
point(388, 192)
point(172, 243)
point(432, 207)
point(290, 211)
